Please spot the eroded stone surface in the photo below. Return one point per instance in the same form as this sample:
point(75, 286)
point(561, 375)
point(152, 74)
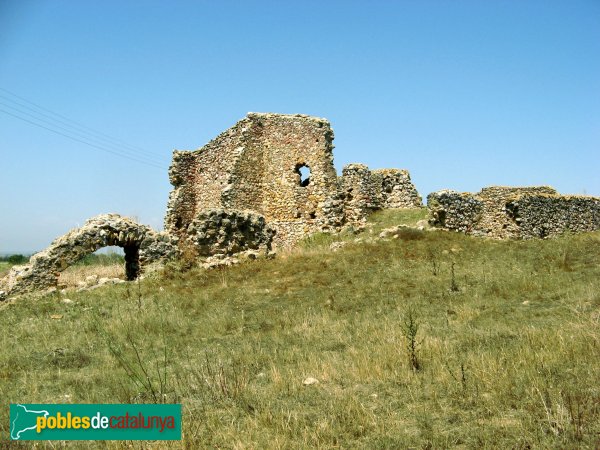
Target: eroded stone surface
point(142, 246)
point(221, 232)
point(365, 191)
point(509, 212)
point(258, 164)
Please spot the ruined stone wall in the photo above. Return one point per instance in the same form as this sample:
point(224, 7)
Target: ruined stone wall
point(289, 143)
point(394, 189)
point(366, 191)
point(454, 210)
point(506, 212)
point(200, 178)
point(546, 215)
point(495, 221)
point(142, 246)
point(360, 196)
point(255, 166)
point(221, 232)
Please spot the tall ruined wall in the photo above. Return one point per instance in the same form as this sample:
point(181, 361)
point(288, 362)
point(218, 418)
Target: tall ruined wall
point(200, 177)
point(507, 212)
point(360, 197)
point(255, 165)
point(288, 144)
point(367, 190)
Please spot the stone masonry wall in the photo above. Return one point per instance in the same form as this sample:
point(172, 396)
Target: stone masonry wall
point(255, 165)
point(395, 189)
point(367, 190)
point(547, 215)
point(507, 212)
point(141, 244)
point(360, 196)
point(454, 210)
point(220, 232)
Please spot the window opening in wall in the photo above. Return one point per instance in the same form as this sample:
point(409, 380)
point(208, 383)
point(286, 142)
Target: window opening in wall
point(304, 172)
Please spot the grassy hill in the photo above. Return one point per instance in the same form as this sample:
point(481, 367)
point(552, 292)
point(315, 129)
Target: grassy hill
point(428, 340)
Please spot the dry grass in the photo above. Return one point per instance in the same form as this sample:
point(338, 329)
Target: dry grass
point(75, 274)
point(4, 268)
point(509, 358)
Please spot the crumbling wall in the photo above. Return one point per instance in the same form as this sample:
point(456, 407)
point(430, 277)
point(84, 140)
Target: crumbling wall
point(360, 197)
point(221, 232)
point(141, 244)
point(546, 215)
point(367, 190)
point(202, 178)
point(513, 212)
point(454, 210)
point(495, 221)
point(255, 165)
point(394, 189)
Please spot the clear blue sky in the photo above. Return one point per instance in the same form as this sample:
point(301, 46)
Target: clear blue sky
point(462, 93)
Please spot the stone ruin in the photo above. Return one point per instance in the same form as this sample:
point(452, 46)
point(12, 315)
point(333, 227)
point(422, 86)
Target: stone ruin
point(141, 244)
point(365, 191)
point(268, 180)
point(514, 212)
point(281, 167)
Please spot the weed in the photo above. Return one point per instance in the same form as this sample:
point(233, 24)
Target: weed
point(410, 329)
point(453, 284)
point(435, 264)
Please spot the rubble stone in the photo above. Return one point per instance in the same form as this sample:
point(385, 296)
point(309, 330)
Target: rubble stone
point(142, 246)
point(218, 231)
point(513, 212)
point(257, 165)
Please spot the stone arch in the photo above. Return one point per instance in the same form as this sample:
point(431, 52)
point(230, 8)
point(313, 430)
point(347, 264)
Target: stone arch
point(141, 244)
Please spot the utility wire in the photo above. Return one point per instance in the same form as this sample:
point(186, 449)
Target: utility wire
point(78, 130)
point(82, 136)
point(83, 142)
point(90, 133)
point(78, 123)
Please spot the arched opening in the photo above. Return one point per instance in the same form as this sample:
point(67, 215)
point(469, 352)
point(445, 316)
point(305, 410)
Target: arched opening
point(303, 172)
point(105, 265)
point(141, 246)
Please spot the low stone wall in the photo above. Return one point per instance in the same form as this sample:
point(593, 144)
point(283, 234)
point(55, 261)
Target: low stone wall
point(222, 232)
point(394, 189)
point(540, 216)
point(141, 244)
point(454, 210)
point(506, 212)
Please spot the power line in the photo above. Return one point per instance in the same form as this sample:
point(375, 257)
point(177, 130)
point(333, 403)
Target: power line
point(77, 130)
point(83, 142)
point(80, 129)
point(120, 141)
point(82, 136)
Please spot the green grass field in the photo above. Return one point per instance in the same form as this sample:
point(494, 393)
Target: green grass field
point(505, 345)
